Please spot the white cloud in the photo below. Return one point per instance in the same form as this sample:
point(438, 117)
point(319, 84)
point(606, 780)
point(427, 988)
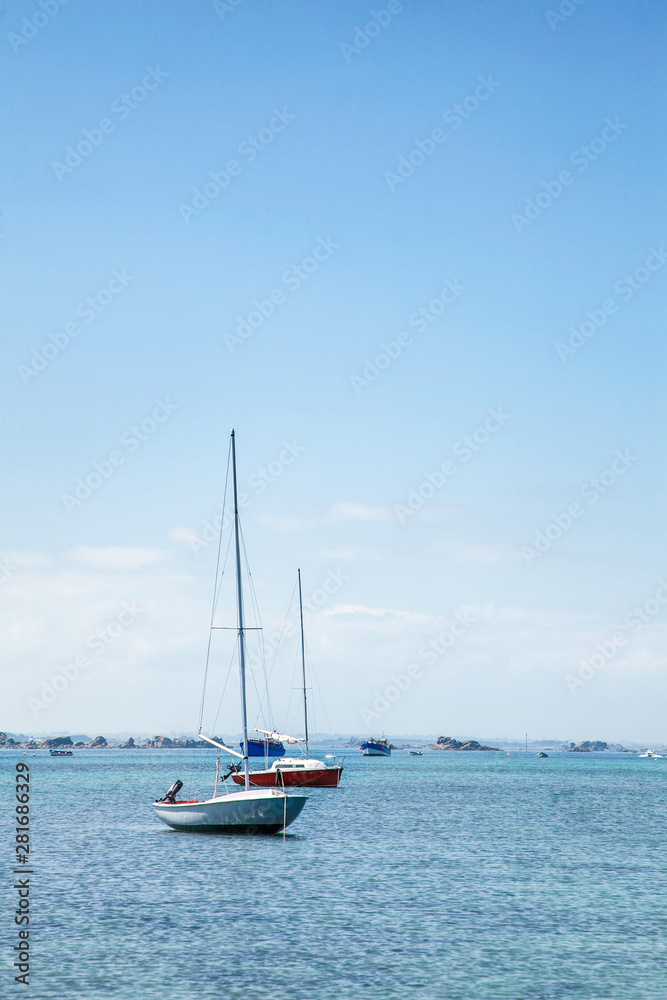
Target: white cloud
point(117, 557)
point(346, 553)
point(26, 560)
point(364, 610)
point(187, 535)
point(486, 554)
point(286, 523)
point(361, 512)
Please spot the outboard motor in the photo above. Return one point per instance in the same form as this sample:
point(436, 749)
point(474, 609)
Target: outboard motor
point(173, 792)
point(231, 769)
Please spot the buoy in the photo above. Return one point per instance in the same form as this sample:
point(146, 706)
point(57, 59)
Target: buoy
point(509, 755)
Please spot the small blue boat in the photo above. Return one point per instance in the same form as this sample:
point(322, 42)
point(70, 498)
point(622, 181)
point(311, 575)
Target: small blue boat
point(376, 748)
point(265, 748)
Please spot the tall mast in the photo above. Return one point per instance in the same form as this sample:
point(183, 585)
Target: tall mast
point(303, 667)
point(239, 603)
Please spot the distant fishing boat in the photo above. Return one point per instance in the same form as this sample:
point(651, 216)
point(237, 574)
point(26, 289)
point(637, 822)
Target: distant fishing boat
point(416, 753)
point(376, 748)
point(258, 810)
point(301, 772)
point(61, 753)
point(652, 754)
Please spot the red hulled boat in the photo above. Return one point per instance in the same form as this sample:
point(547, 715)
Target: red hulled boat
point(300, 772)
point(293, 772)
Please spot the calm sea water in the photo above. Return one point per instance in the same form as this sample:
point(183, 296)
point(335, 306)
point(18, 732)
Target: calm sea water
point(452, 876)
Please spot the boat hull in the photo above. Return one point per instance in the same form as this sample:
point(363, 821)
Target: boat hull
point(252, 812)
point(375, 750)
point(259, 748)
point(321, 778)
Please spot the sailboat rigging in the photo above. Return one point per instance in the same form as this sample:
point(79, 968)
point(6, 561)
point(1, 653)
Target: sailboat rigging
point(254, 810)
point(297, 771)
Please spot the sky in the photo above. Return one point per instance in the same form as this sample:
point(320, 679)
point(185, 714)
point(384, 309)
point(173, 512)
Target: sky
point(413, 254)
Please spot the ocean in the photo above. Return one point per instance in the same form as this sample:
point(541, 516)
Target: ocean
point(452, 876)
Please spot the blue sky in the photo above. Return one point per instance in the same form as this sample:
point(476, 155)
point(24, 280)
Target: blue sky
point(332, 126)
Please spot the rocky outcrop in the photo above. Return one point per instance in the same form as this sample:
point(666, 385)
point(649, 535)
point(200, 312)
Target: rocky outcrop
point(449, 743)
point(56, 741)
point(165, 742)
point(99, 743)
point(7, 741)
point(159, 742)
point(594, 746)
point(129, 744)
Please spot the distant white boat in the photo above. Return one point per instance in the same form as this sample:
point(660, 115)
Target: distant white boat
point(652, 754)
point(256, 810)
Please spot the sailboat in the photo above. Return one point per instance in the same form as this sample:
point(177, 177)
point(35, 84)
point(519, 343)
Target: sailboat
point(253, 810)
point(297, 771)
